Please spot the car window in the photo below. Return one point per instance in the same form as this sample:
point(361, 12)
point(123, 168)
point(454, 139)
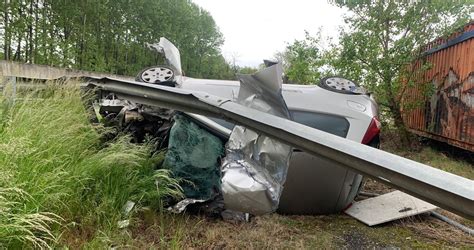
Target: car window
point(332, 124)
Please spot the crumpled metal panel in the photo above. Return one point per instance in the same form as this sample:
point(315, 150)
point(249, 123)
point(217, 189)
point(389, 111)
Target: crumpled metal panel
point(172, 55)
point(181, 206)
point(449, 191)
point(255, 167)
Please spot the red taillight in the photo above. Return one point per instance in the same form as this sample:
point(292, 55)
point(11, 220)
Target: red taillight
point(372, 131)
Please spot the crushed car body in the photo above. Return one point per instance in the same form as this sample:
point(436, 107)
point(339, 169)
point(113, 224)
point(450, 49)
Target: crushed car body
point(314, 185)
point(255, 166)
point(331, 122)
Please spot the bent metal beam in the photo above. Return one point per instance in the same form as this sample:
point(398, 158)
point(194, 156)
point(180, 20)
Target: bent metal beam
point(438, 187)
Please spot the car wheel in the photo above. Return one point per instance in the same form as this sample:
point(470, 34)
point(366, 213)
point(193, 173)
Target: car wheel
point(339, 84)
point(157, 75)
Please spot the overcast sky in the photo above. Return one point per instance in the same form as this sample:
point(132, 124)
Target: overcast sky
point(255, 29)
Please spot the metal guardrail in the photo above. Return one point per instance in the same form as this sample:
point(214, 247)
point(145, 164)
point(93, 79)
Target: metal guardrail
point(449, 191)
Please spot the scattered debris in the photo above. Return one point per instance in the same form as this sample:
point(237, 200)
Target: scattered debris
point(454, 223)
point(127, 208)
point(181, 206)
point(230, 215)
point(388, 207)
point(123, 224)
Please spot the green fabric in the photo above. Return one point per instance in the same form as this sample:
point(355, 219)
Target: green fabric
point(193, 155)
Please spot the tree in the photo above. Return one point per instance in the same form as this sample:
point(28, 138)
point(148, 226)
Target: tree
point(303, 60)
point(384, 39)
point(110, 36)
point(247, 70)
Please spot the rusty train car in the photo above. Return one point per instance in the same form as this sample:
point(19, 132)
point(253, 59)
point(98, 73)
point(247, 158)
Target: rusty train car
point(447, 113)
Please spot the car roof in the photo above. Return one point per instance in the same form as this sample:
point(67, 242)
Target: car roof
point(311, 98)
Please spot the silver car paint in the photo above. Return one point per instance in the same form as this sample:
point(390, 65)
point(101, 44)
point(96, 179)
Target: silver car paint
point(314, 185)
point(255, 166)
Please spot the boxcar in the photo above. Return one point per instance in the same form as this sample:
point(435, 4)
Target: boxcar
point(447, 112)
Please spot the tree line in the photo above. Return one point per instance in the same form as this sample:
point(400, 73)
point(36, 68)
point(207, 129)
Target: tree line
point(378, 48)
point(110, 36)
point(375, 50)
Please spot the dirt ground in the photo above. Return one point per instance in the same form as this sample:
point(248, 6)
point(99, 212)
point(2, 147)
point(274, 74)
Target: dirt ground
point(278, 231)
point(152, 230)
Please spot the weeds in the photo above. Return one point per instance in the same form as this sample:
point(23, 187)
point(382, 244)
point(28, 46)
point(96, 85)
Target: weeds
point(16, 226)
point(56, 173)
point(59, 184)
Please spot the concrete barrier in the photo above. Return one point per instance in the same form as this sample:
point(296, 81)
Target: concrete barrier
point(43, 72)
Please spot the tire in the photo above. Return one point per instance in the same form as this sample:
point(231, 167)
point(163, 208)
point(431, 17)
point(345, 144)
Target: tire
point(162, 75)
point(340, 85)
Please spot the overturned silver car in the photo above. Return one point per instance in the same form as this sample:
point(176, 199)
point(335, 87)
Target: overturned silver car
point(314, 185)
point(260, 174)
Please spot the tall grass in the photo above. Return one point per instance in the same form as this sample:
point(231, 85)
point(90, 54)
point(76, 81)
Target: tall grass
point(55, 172)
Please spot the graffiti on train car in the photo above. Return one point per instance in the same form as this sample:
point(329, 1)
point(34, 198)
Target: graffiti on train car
point(451, 108)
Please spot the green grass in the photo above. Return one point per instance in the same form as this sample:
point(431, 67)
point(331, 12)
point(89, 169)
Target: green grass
point(437, 159)
point(326, 231)
point(57, 176)
point(61, 186)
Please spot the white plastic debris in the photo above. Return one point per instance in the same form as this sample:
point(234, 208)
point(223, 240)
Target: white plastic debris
point(123, 224)
point(127, 208)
